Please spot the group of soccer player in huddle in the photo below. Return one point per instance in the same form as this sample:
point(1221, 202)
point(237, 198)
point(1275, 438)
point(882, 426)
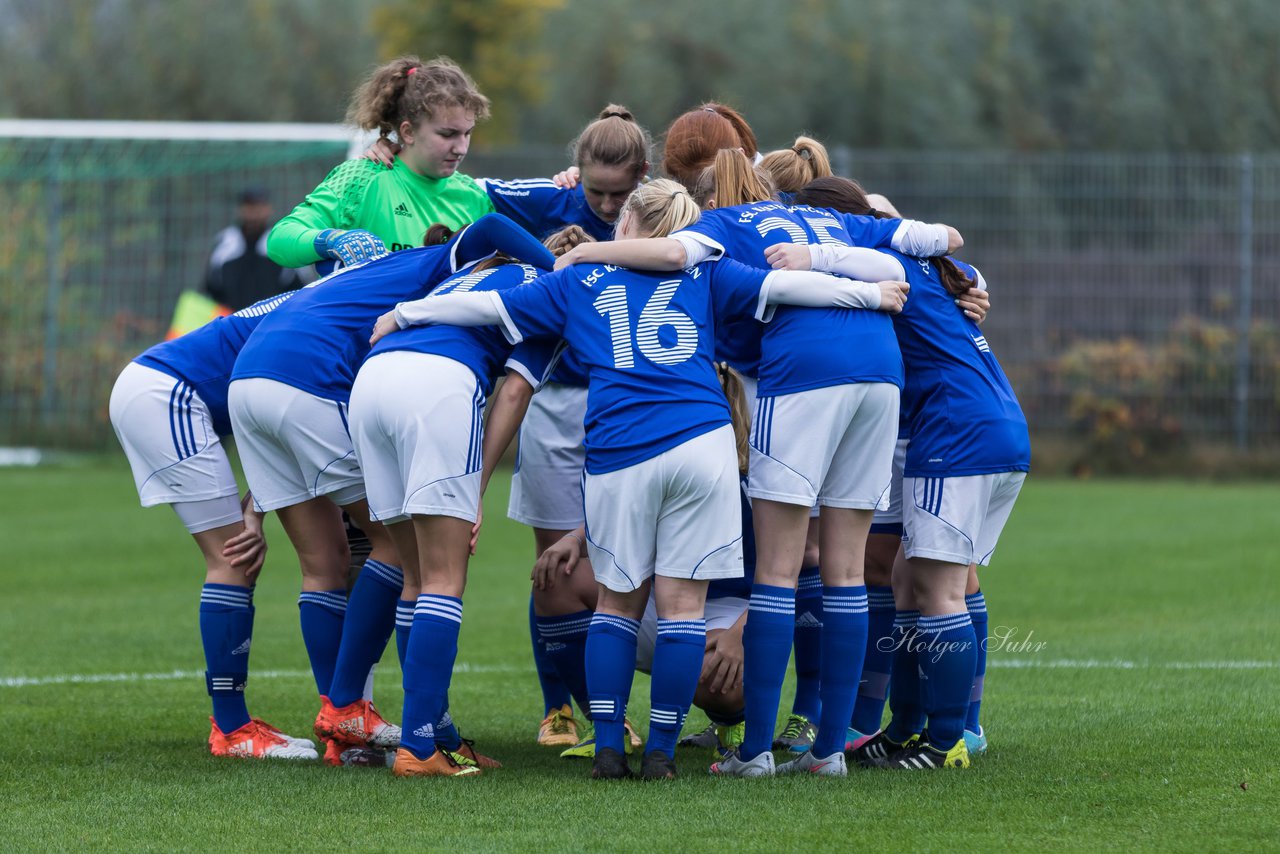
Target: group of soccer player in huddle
point(754, 411)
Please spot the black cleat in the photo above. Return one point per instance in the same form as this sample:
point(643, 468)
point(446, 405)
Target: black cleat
point(877, 750)
point(657, 765)
point(609, 764)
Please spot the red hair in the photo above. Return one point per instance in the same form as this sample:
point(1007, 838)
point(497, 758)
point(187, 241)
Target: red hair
point(694, 138)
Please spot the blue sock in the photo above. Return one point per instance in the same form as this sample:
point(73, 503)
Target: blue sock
point(766, 642)
point(321, 614)
point(868, 711)
point(844, 643)
point(565, 640)
point(905, 704)
point(371, 617)
point(226, 629)
point(428, 667)
point(554, 692)
point(447, 735)
point(977, 604)
point(677, 664)
point(808, 644)
point(947, 657)
point(404, 625)
point(611, 664)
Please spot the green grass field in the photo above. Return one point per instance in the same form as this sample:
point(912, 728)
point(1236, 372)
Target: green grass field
point(1143, 711)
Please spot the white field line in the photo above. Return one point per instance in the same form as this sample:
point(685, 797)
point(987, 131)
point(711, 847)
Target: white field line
point(994, 663)
point(184, 675)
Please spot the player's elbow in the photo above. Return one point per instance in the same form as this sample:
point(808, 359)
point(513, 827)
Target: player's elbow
point(954, 241)
point(673, 255)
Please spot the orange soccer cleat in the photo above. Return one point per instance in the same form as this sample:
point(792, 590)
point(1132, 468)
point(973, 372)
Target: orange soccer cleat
point(467, 750)
point(256, 740)
point(356, 725)
point(558, 728)
point(439, 764)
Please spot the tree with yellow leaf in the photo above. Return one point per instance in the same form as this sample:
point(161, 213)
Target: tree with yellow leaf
point(498, 42)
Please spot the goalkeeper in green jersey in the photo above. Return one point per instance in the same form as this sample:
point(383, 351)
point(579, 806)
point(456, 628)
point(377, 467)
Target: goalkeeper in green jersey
point(361, 209)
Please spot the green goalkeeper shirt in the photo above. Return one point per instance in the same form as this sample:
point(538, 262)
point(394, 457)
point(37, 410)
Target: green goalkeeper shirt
point(396, 204)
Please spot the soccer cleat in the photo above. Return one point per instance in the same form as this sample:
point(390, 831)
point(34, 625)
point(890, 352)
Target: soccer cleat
point(830, 766)
point(468, 751)
point(854, 739)
point(733, 766)
point(255, 741)
point(367, 757)
point(728, 738)
point(586, 748)
point(879, 748)
point(657, 765)
point(333, 751)
point(634, 742)
point(976, 742)
point(609, 764)
point(702, 738)
point(442, 763)
point(923, 756)
point(356, 725)
point(558, 728)
point(299, 742)
point(797, 736)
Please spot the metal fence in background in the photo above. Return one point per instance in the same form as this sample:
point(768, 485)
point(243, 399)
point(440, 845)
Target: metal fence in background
point(1135, 297)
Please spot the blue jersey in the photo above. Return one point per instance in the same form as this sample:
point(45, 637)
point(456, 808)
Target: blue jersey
point(961, 413)
point(723, 588)
point(204, 357)
point(647, 343)
point(542, 208)
point(803, 348)
point(483, 349)
point(317, 341)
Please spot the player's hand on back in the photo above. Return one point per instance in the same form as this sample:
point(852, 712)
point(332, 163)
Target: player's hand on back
point(789, 256)
point(382, 151)
point(975, 303)
point(384, 327)
point(568, 179)
point(349, 247)
point(893, 296)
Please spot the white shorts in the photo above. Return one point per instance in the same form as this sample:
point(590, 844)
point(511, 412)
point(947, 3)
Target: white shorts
point(167, 434)
point(831, 446)
point(957, 519)
point(293, 445)
point(546, 488)
point(678, 514)
point(720, 614)
point(417, 423)
point(890, 521)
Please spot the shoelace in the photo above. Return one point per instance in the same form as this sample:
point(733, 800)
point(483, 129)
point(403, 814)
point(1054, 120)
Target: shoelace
point(795, 728)
point(558, 723)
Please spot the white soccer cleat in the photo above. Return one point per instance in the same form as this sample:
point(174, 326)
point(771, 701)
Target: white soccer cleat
point(733, 766)
point(296, 742)
point(830, 766)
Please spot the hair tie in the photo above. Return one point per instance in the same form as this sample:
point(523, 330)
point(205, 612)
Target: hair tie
point(710, 110)
point(677, 193)
point(409, 73)
point(614, 114)
point(803, 153)
point(873, 212)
